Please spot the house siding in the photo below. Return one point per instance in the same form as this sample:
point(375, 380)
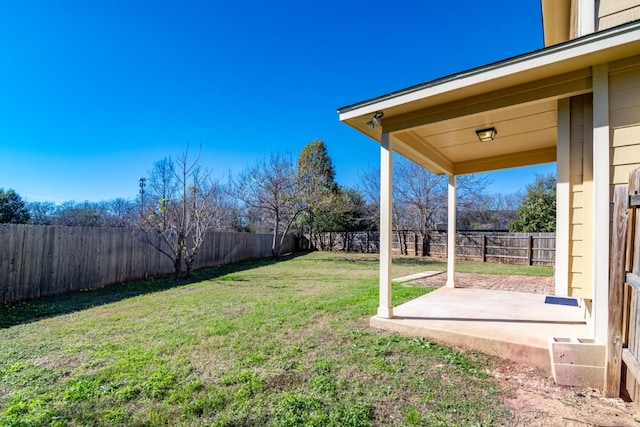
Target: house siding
point(580, 193)
point(611, 13)
point(624, 114)
point(624, 118)
point(573, 20)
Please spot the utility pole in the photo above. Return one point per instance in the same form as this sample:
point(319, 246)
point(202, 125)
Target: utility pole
point(143, 183)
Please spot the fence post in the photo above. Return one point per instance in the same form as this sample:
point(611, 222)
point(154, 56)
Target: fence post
point(530, 249)
point(484, 247)
point(613, 367)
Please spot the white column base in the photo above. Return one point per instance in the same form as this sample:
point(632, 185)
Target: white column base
point(451, 283)
point(385, 312)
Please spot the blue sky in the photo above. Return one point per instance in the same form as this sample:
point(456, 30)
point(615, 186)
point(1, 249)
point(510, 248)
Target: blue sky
point(92, 93)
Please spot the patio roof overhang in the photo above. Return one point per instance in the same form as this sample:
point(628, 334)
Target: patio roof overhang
point(434, 123)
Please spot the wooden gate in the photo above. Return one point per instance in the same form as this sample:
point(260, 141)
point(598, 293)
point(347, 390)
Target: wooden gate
point(623, 348)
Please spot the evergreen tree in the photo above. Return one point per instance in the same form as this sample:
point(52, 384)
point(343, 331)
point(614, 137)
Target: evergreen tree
point(13, 210)
point(317, 188)
point(538, 210)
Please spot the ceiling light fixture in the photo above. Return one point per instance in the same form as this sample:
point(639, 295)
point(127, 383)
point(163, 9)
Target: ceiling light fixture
point(486, 135)
point(376, 119)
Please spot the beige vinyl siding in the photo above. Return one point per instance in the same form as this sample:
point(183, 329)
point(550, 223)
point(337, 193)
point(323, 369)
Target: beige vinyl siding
point(580, 213)
point(624, 114)
point(611, 13)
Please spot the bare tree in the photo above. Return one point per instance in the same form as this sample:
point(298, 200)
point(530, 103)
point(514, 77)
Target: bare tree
point(369, 188)
point(199, 208)
point(162, 188)
point(470, 192)
point(269, 188)
point(506, 208)
point(228, 214)
point(118, 212)
point(420, 198)
point(41, 213)
point(179, 209)
point(507, 202)
point(80, 214)
point(488, 211)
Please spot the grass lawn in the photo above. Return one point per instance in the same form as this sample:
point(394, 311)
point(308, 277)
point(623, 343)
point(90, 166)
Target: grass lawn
point(262, 343)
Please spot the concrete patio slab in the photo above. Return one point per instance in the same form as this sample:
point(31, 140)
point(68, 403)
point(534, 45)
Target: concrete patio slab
point(512, 325)
point(416, 276)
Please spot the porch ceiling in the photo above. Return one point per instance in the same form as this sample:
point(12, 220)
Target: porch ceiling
point(442, 137)
point(434, 124)
point(526, 135)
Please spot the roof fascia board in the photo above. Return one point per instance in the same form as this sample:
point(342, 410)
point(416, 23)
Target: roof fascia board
point(570, 84)
point(590, 44)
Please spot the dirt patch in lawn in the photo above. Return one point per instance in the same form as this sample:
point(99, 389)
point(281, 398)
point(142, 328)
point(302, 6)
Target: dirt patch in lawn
point(531, 394)
point(536, 401)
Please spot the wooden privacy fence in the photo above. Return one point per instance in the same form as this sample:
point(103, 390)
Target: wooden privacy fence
point(39, 260)
point(622, 372)
point(506, 248)
point(503, 247)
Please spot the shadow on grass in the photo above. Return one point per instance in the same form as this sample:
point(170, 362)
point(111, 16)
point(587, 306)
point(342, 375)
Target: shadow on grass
point(370, 257)
point(50, 306)
point(418, 261)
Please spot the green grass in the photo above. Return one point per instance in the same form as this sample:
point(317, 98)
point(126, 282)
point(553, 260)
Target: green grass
point(263, 343)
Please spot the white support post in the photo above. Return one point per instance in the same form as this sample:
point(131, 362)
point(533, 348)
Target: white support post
point(385, 309)
point(451, 232)
point(563, 198)
point(601, 201)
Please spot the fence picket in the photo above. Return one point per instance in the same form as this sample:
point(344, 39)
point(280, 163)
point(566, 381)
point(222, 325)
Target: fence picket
point(39, 260)
point(513, 248)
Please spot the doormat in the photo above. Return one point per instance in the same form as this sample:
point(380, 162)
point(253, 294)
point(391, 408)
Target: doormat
point(561, 301)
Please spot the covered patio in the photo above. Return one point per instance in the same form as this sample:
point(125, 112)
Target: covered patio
point(516, 326)
point(550, 105)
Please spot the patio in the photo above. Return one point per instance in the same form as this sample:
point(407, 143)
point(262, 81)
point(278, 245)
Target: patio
point(512, 325)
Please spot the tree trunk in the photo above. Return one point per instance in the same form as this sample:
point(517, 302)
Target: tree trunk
point(311, 233)
point(177, 264)
point(403, 243)
point(426, 244)
point(274, 242)
point(189, 268)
